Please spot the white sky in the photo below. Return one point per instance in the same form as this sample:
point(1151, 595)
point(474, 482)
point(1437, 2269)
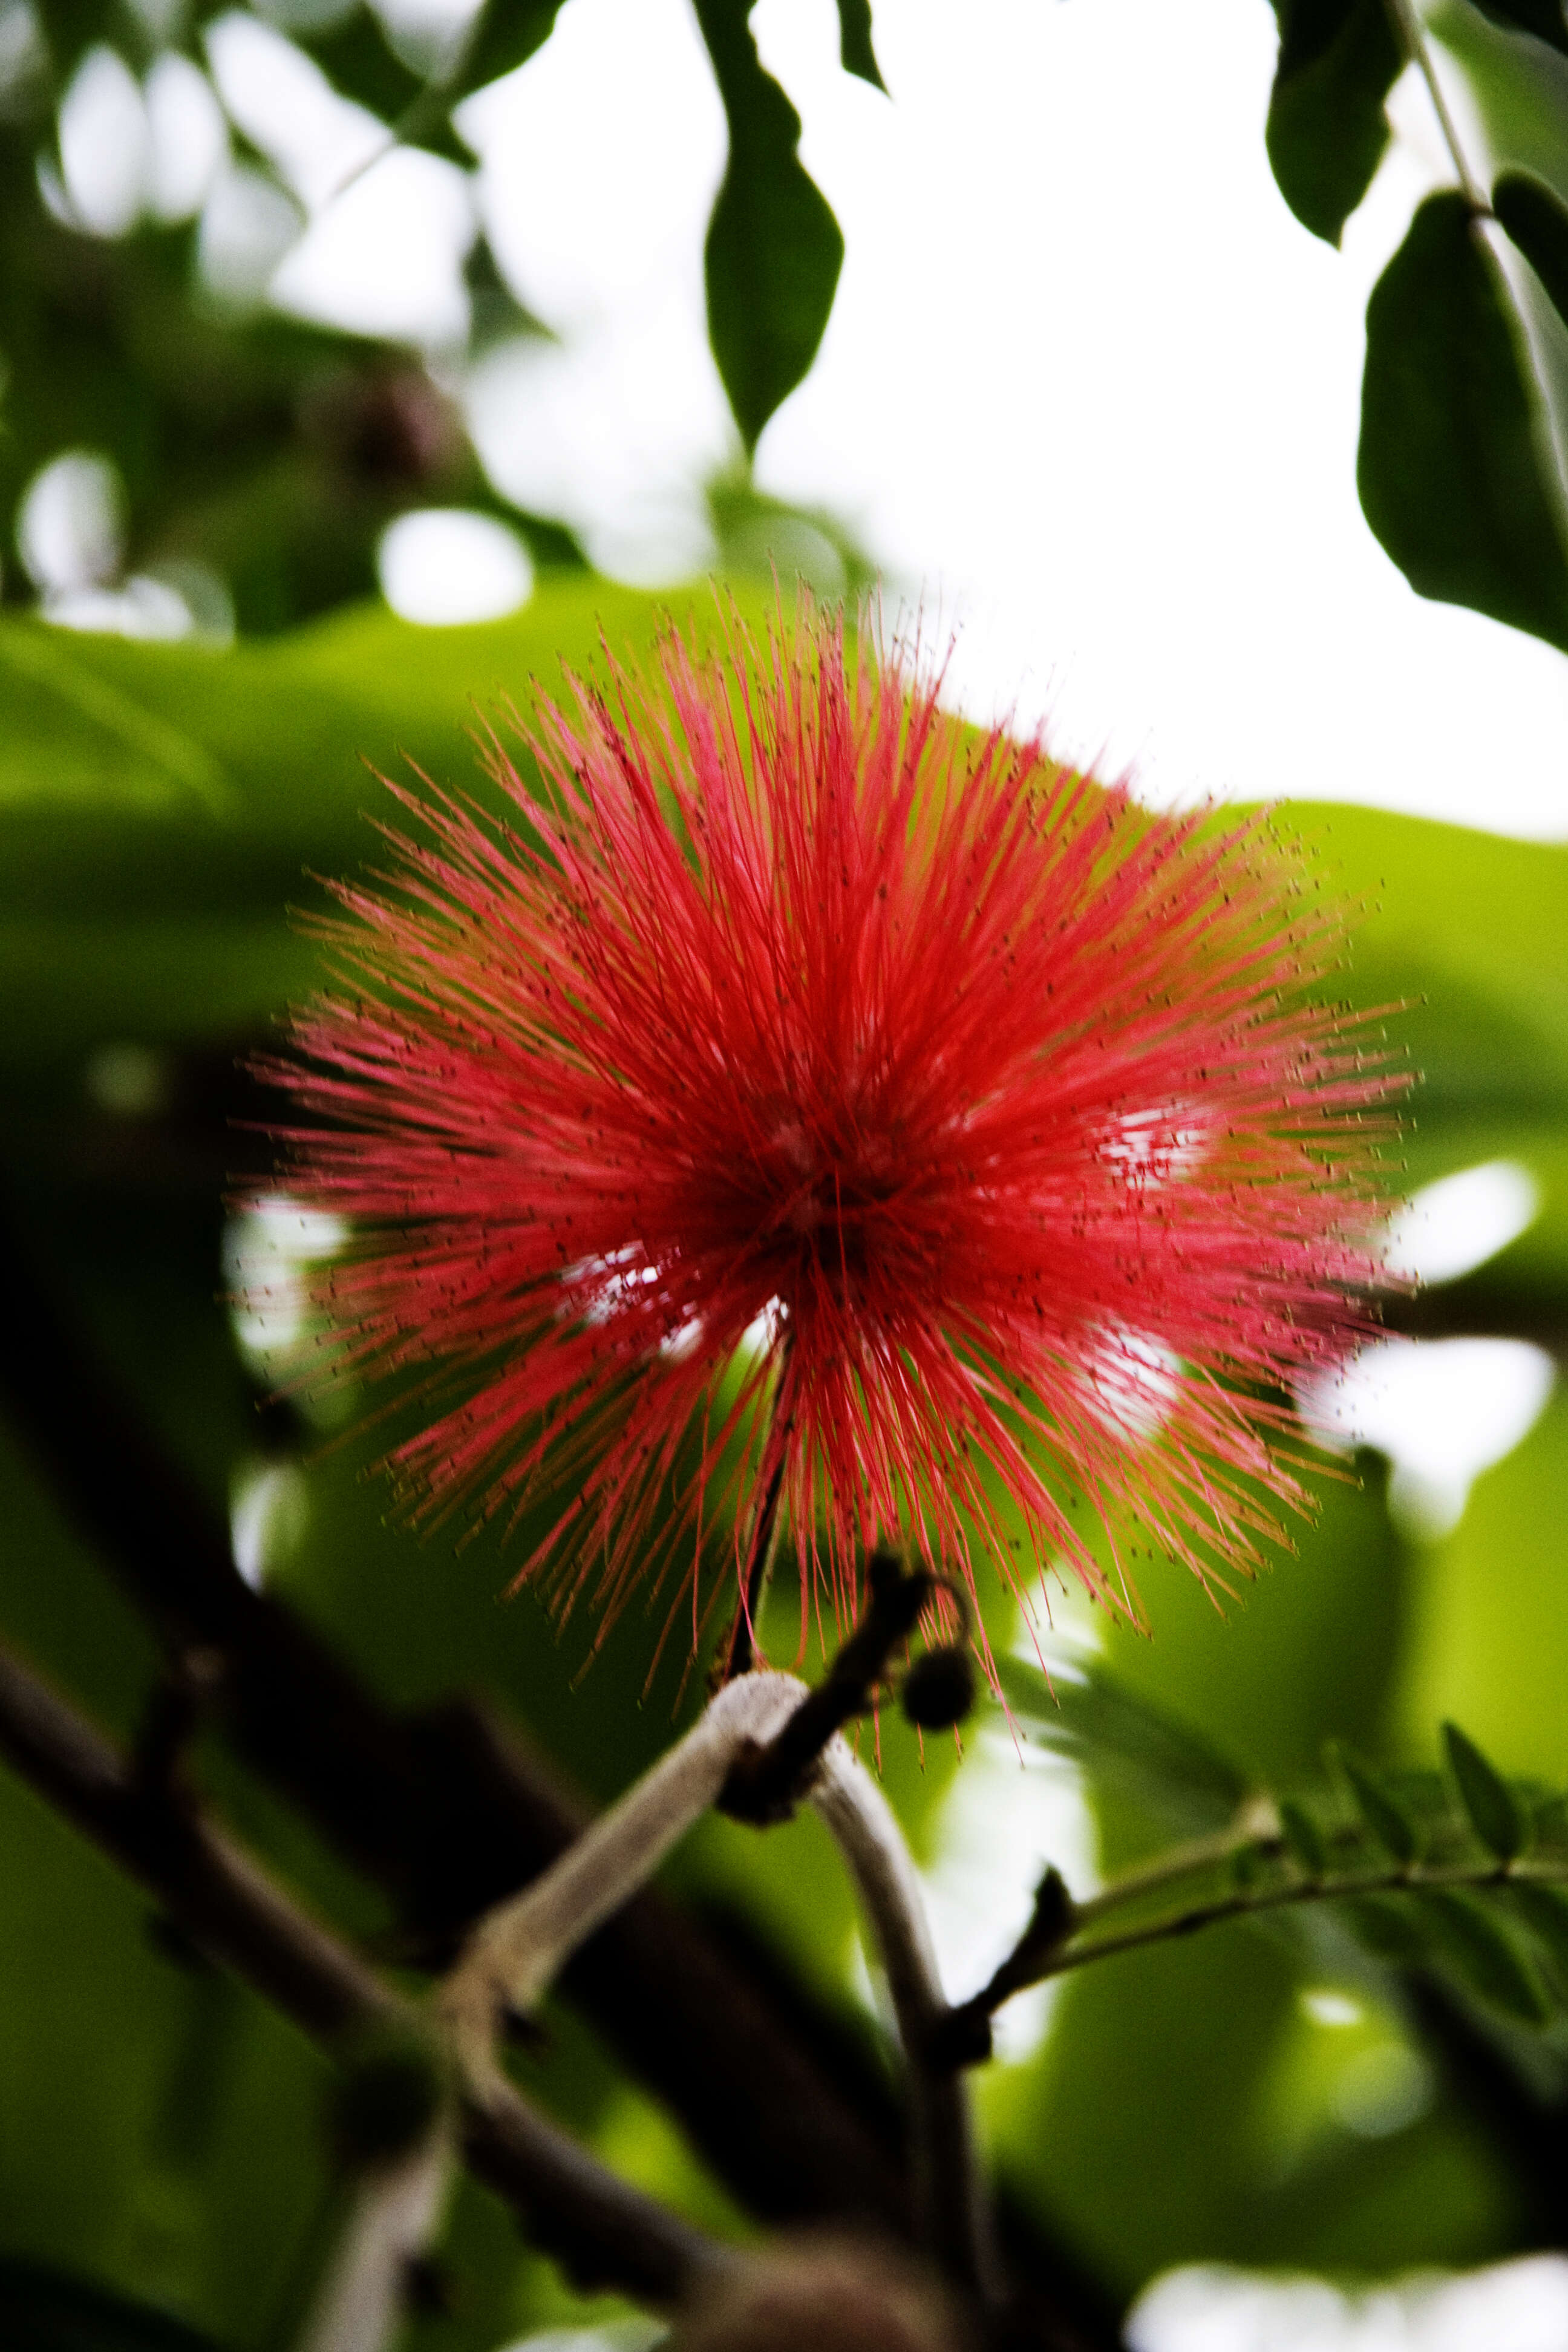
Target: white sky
point(1087, 389)
point(1089, 392)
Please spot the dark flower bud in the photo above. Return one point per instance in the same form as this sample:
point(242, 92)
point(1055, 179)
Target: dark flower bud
point(939, 1689)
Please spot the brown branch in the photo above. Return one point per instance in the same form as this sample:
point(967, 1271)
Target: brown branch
point(606, 2233)
point(767, 1782)
point(448, 1815)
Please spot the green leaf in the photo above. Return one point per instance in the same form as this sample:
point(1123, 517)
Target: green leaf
point(360, 64)
point(1487, 1798)
point(43, 2310)
point(1544, 1911)
point(1451, 469)
point(1385, 1929)
point(1543, 17)
point(1124, 1742)
point(856, 53)
point(1327, 130)
point(1304, 1838)
point(505, 35)
point(773, 249)
point(1482, 1956)
point(1536, 219)
point(1390, 1824)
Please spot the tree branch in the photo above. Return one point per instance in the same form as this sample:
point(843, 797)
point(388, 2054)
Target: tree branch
point(960, 2034)
point(449, 1815)
point(606, 2233)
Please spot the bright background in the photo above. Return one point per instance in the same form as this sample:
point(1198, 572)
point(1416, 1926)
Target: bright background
point(1088, 396)
point(1089, 392)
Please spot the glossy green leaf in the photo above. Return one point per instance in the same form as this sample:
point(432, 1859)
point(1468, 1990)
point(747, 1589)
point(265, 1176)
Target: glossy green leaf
point(1453, 468)
point(1544, 18)
point(1384, 1816)
point(1471, 1938)
point(1327, 130)
point(1494, 1812)
point(773, 249)
point(856, 53)
point(1536, 219)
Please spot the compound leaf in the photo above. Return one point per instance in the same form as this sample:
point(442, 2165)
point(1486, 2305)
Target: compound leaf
point(1483, 1956)
point(1486, 1796)
point(1387, 1820)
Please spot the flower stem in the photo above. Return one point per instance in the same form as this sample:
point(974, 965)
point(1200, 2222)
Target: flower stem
point(952, 2219)
point(742, 1650)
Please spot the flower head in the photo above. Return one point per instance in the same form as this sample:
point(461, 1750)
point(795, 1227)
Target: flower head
point(792, 1093)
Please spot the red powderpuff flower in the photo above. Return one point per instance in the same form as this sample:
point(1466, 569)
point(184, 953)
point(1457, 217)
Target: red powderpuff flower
point(794, 1096)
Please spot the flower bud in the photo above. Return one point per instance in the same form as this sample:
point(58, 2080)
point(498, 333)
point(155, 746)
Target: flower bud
point(939, 1689)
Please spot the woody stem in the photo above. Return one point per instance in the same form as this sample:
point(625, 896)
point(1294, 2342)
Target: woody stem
point(951, 2211)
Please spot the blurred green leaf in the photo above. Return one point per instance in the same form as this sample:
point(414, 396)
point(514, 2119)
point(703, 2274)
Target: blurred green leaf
point(1453, 471)
point(1491, 1635)
point(506, 34)
point(1537, 220)
point(773, 249)
point(1327, 130)
point(1520, 90)
point(1472, 1940)
point(1308, 1651)
point(1543, 17)
point(1544, 1911)
point(1387, 1820)
point(1494, 1814)
point(1388, 1929)
point(1123, 1741)
point(1172, 2049)
point(856, 53)
point(45, 2311)
point(1304, 1838)
point(354, 53)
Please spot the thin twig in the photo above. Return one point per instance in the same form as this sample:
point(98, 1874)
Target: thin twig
point(605, 2232)
point(955, 2030)
point(954, 2215)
